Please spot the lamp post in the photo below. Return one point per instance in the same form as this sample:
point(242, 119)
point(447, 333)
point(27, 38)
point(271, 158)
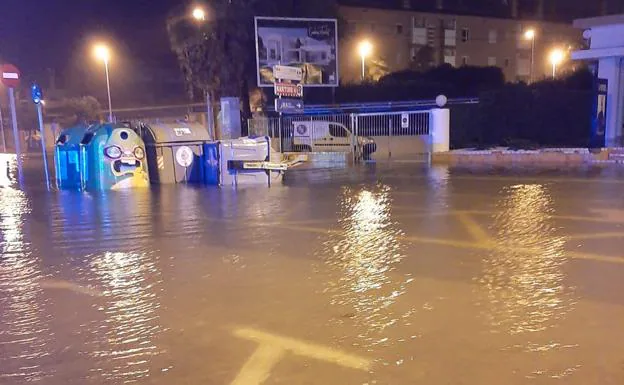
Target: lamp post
point(556, 58)
point(102, 53)
point(199, 14)
point(530, 35)
point(364, 48)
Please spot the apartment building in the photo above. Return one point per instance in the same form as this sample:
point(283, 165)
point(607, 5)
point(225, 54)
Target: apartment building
point(402, 39)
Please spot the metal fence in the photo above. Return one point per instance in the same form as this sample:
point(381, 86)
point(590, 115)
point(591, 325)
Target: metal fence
point(399, 135)
point(195, 113)
point(392, 124)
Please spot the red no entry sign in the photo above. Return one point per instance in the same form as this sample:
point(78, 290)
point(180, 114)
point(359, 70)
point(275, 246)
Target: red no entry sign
point(10, 75)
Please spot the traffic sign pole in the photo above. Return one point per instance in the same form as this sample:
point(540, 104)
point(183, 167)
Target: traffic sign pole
point(11, 79)
point(43, 145)
point(281, 73)
point(2, 129)
point(16, 137)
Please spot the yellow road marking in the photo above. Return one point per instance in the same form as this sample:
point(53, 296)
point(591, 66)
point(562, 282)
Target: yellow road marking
point(473, 228)
point(567, 217)
point(258, 367)
point(513, 249)
point(272, 348)
point(488, 246)
point(306, 349)
point(71, 286)
point(523, 180)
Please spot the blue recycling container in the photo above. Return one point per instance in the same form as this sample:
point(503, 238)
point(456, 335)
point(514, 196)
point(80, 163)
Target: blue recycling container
point(100, 157)
point(67, 158)
point(211, 163)
point(113, 158)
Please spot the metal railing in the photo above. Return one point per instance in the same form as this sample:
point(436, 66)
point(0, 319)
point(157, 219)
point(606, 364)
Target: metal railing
point(392, 124)
point(390, 133)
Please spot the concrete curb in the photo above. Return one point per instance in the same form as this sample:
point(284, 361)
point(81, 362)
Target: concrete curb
point(549, 156)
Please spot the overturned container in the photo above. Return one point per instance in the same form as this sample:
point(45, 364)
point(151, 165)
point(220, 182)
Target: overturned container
point(242, 160)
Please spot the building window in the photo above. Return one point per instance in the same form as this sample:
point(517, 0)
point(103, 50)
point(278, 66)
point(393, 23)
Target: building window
point(419, 22)
point(465, 34)
point(351, 28)
point(399, 29)
point(450, 24)
point(464, 60)
point(506, 62)
point(450, 38)
point(450, 52)
point(449, 56)
point(492, 61)
point(492, 36)
point(419, 36)
point(523, 67)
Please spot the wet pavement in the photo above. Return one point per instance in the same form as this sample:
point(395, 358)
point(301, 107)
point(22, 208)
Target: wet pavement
point(396, 275)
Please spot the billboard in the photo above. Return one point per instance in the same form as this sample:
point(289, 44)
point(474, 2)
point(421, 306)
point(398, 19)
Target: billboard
point(309, 44)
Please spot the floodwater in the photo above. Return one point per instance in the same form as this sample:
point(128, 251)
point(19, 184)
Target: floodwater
point(393, 275)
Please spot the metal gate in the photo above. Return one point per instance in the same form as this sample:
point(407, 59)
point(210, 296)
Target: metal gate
point(402, 136)
point(397, 135)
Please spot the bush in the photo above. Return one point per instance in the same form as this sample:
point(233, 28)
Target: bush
point(517, 115)
point(71, 111)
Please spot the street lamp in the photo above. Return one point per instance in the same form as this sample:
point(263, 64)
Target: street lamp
point(199, 14)
point(530, 35)
point(556, 58)
point(103, 53)
point(364, 48)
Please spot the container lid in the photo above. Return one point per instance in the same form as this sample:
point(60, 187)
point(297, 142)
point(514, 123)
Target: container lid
point(175, 133)
point(71, 136)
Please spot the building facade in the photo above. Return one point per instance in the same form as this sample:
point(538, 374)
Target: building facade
point(404, 39)
point(606, 35)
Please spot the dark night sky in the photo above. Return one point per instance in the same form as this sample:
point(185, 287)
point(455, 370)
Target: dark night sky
point(40, 34)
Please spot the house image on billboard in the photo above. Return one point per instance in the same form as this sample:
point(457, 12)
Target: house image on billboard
point(281, 48)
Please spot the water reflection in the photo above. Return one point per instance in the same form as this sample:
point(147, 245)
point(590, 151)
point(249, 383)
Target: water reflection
point(127, 338)
point(523, 280)
point(366, 252)
point(24, 329)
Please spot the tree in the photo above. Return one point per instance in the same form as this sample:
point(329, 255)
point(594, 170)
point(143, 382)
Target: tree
point(219, 55)
point(424, 59)
point(72, 111)
point(376, 69)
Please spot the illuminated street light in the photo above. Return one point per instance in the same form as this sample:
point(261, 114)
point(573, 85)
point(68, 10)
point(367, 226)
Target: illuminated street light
point(365, 48)
point(530, 35)
point(556, 58)
point(103, 53)
point(199, 14)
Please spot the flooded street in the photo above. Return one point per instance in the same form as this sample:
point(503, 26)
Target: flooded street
point(375, 275)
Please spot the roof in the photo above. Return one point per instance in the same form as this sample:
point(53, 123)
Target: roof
point(600, 21)
point(419, 6)
point(565, 12)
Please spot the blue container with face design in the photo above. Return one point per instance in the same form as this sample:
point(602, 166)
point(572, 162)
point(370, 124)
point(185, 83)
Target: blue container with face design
point(100, 157)
point(67, 158)
point(112, 157)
